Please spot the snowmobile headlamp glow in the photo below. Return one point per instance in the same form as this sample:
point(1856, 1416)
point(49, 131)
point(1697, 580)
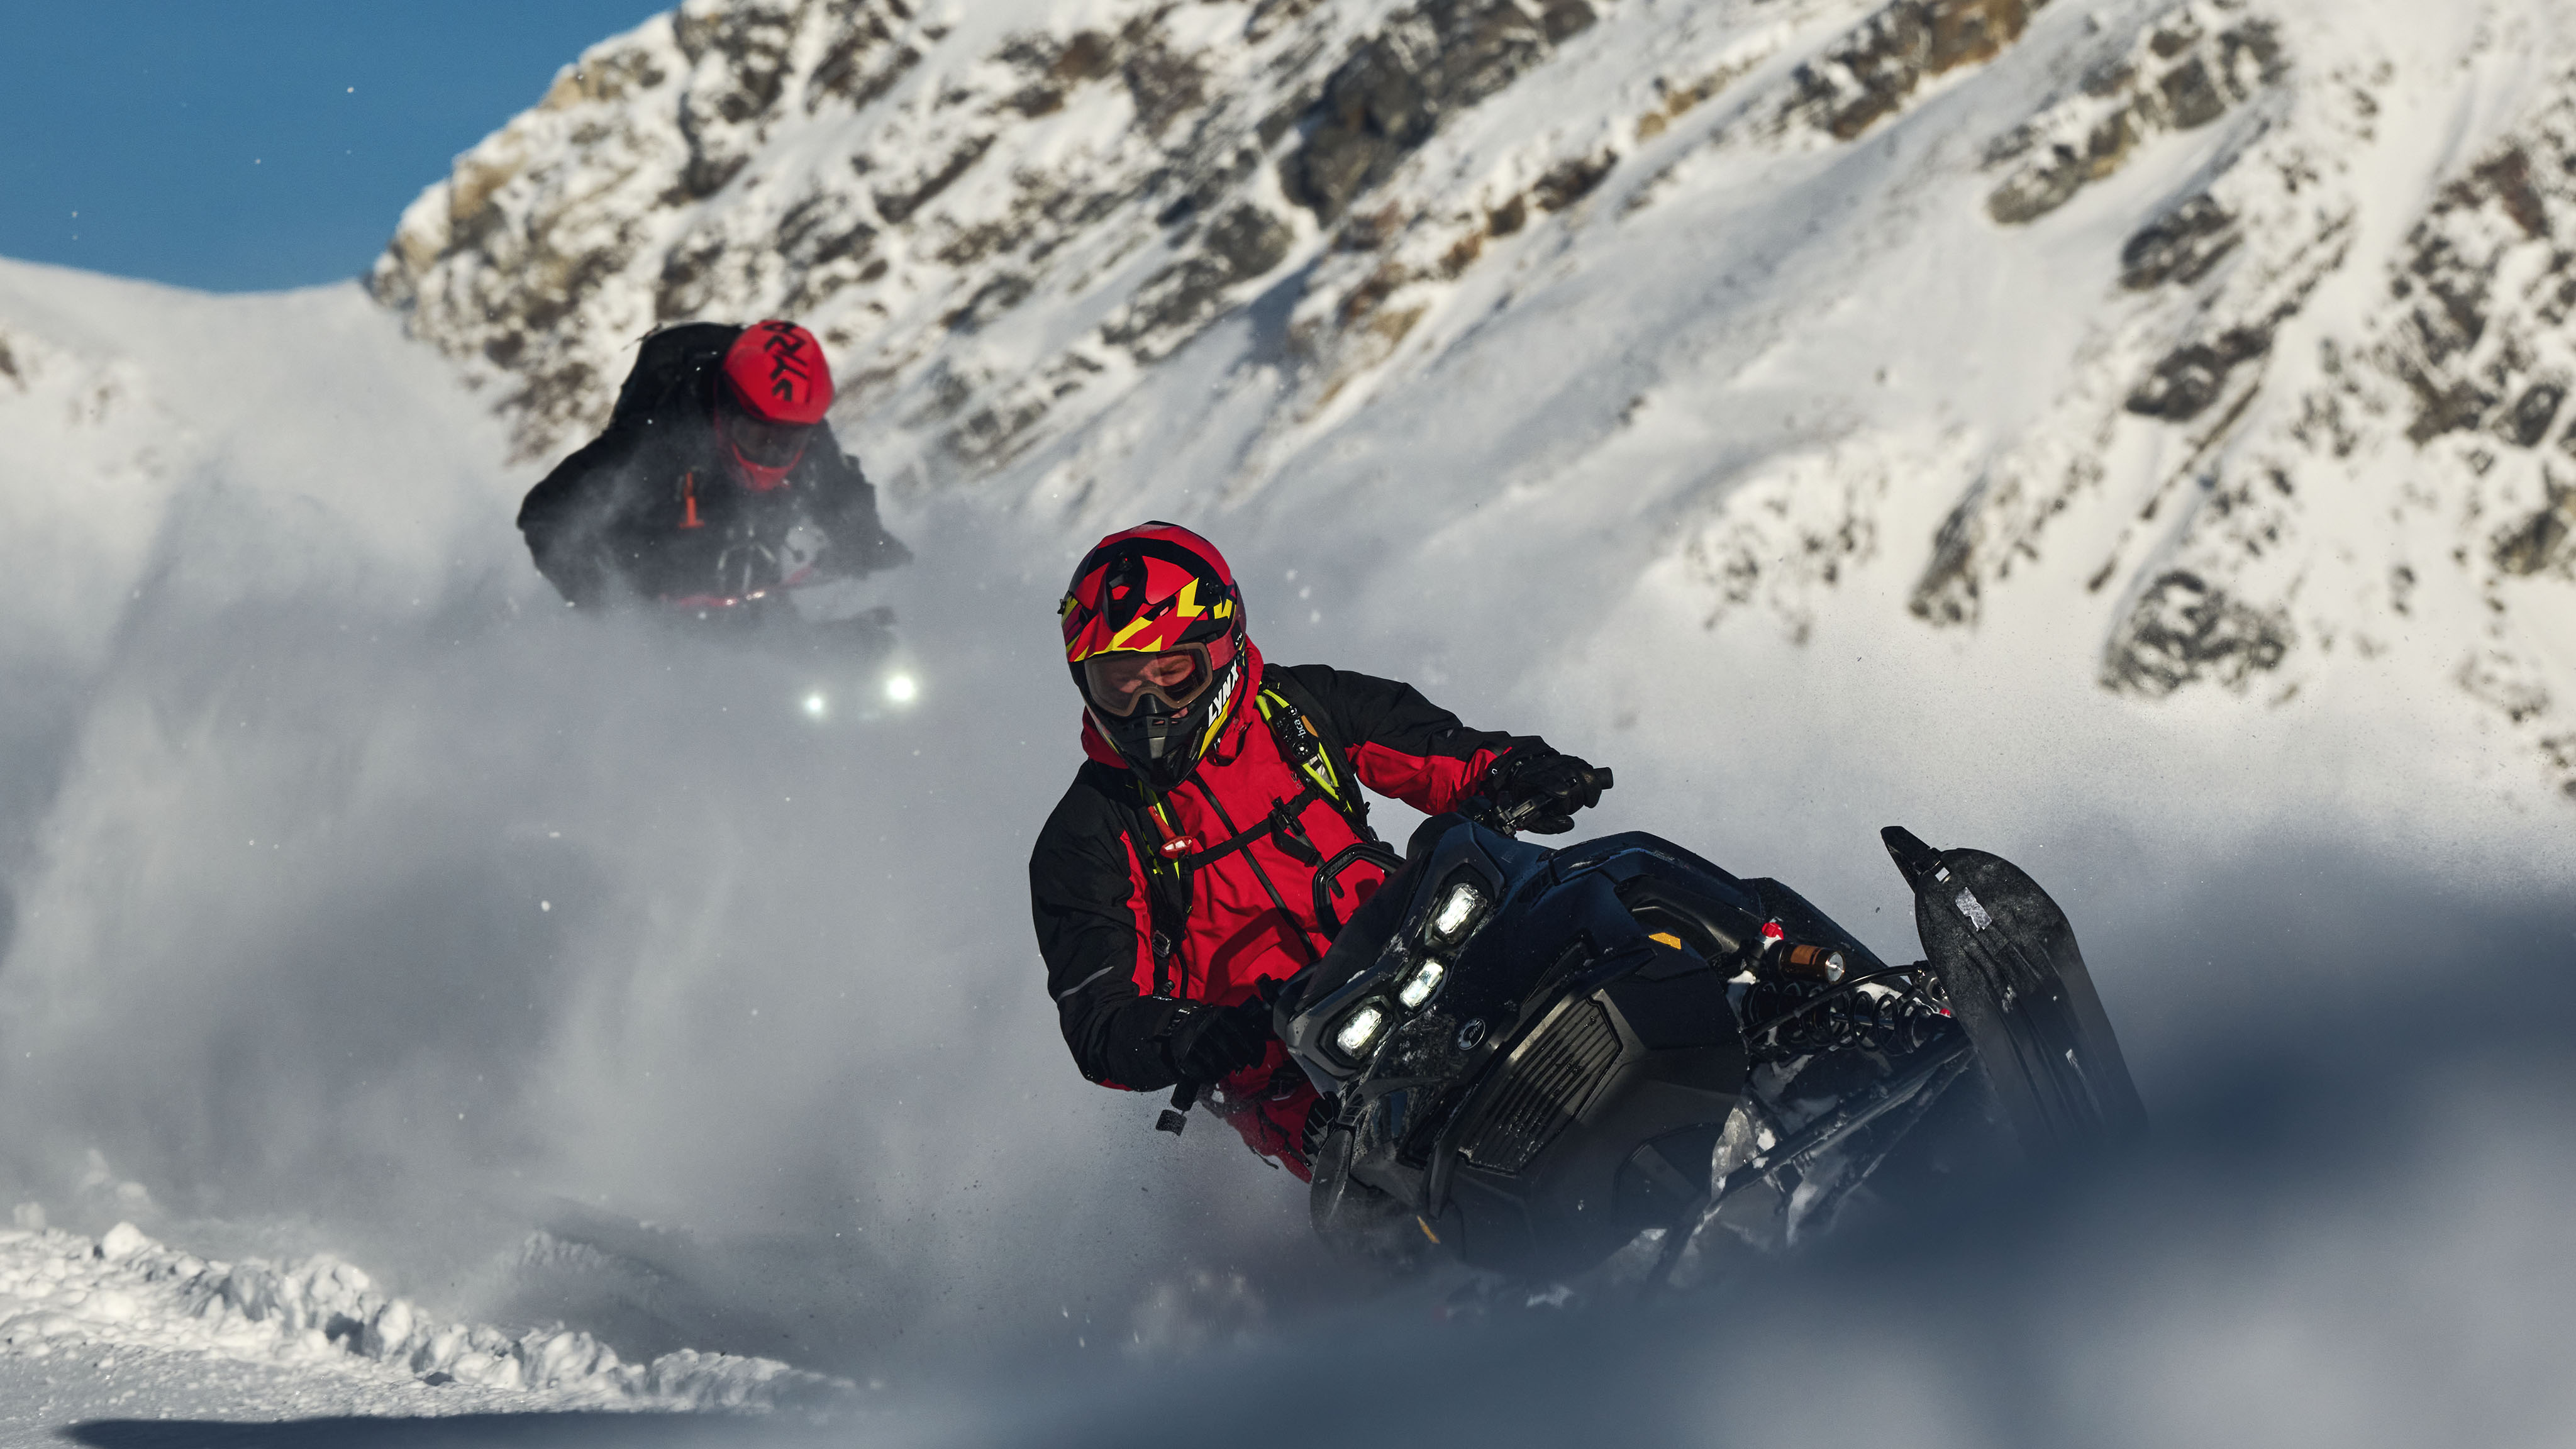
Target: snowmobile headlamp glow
point(1426, 979)
point(902, 688)
point(1359, 1030)
point(1458, 908)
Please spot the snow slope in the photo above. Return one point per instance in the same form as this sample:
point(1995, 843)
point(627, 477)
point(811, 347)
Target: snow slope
point(362, 903)
point(2163, 346)
point(190, 1338)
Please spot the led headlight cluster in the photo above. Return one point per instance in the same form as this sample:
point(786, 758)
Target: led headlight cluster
point(1461, 906)
point(1425, 979)
point(1359, 1030)
point(1459, 909)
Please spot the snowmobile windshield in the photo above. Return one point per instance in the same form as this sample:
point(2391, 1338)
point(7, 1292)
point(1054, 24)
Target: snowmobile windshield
point(1119, 683)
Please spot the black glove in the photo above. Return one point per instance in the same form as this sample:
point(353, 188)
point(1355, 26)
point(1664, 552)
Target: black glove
point(1539, 790)
point(1209, 1042)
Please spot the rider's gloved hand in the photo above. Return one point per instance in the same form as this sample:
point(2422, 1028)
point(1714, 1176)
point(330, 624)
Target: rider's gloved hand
point(1549, 786)
point(1209, 1042)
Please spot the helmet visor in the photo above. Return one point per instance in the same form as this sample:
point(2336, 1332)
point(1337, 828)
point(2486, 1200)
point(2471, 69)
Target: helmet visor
point(1120, 683)
point(762, 443)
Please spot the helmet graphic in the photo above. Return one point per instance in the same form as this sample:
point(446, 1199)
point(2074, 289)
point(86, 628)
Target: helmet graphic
point(776, 388)
point(1153, 631)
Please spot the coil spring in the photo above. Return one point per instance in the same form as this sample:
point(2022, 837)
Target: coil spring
point(1799, 1018)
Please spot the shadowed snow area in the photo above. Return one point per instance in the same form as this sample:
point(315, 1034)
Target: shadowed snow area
point(598, 989)
point(552, 970)
point(546, 968)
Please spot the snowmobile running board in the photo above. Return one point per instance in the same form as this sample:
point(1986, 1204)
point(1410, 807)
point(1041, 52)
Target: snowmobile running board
point(2006, 957)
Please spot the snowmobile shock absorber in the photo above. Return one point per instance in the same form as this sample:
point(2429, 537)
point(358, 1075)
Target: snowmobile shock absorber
point(1795, 1016)
point(1814, 963)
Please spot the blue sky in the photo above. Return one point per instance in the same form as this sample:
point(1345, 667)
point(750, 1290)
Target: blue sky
point(242, 145)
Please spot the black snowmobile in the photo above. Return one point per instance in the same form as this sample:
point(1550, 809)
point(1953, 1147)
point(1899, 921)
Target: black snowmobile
point(1539, 1059)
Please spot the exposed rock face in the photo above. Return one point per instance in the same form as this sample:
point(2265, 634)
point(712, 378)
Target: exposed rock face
point(905, 180)
point(2187, 70)
point(1871, 73)
point(1392, 93)
point(2183, 630)
point(911, 179)
point(1007, 222)
point(2180, 247)
point(2447, 402)
point(2486, 284)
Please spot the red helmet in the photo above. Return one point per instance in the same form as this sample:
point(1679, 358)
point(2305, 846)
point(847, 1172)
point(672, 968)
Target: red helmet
point(779, 375)
point(1153, 631)
point(776, 388)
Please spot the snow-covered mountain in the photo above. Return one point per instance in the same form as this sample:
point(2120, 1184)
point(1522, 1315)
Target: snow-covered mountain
point(2122, 435)
point(2226, 334)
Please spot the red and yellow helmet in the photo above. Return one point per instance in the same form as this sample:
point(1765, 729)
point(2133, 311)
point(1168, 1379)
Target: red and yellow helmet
point(1153, 632)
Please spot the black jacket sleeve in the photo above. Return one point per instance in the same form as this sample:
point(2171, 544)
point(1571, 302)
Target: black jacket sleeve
point(569, 517)
point(573, 519)
point(1087, 897)
point(845, 505)
point(1402, 744)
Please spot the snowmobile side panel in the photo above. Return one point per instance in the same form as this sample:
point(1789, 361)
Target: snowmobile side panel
point(2008, 960)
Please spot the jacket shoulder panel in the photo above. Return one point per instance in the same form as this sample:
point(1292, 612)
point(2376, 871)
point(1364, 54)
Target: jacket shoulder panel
point(664, 361)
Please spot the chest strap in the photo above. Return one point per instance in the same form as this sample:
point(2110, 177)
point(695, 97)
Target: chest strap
point(1280, 826)
point(1175, 856)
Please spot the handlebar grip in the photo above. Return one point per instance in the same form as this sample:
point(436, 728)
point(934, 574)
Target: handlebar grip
point(1601, 776)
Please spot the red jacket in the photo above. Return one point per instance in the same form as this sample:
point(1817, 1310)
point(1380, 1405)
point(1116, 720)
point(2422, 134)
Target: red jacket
point(1094, 902)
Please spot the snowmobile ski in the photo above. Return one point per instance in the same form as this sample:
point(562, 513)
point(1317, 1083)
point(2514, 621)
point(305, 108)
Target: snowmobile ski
point(2007, 960)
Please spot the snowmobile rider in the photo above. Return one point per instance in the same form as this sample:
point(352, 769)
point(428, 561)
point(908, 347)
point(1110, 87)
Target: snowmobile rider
point(1193, 862)
point(716, 483)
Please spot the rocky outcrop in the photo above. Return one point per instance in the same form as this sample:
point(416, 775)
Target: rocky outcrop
point(2447, 404)
point(912, 184)
point(907, 186)
point(2180, 247)
point(1869, 74)
point(2486, 284)
point(1389, 96)
point(1007, 231)
point(2189, 69)
point(2183, 630)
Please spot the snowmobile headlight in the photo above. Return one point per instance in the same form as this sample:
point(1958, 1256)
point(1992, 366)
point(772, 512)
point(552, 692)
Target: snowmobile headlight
point(1457, 909)
point(1359, 1029)
point(1426, 977)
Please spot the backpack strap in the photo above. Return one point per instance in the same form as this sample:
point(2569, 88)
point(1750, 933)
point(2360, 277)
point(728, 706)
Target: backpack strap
point(1308, 741)
point(1167, 881)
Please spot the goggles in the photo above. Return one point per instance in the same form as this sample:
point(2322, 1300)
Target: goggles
point(762, 443)
point(1119, 683)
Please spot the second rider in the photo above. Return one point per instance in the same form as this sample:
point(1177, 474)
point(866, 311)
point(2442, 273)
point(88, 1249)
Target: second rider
point(1178, 877)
